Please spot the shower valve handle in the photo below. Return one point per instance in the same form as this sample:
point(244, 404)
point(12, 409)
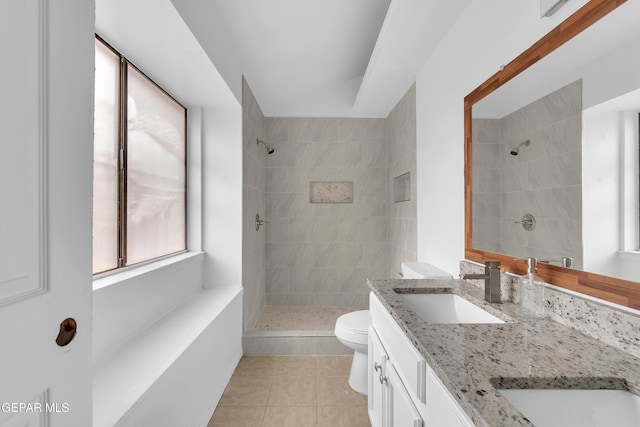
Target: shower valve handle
point(259, 222)
point(528, 222)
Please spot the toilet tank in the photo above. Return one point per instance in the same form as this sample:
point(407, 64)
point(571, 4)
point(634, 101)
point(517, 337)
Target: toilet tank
point(423, 270)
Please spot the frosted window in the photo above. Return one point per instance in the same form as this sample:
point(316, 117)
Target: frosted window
point(139, 207)
point(156, 214)
point(105, 160)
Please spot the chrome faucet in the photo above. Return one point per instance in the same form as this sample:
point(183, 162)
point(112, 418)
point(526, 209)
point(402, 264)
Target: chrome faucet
point(565, 261)
point(491, 278)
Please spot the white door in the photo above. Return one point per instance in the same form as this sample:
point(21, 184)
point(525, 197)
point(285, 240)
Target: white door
point(45, 215)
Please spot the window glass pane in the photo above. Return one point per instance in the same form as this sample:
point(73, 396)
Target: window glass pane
point(105, 160)
point(156, 217)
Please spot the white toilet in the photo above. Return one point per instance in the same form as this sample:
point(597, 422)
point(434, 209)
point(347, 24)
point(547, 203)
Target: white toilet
point(422, 270)
point(352, 328)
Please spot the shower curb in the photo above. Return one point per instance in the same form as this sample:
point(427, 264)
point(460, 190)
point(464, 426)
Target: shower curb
point(292, 343)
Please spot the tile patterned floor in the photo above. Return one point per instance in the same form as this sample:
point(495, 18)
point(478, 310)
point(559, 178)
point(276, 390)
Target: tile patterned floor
point(296, 391)
point(301, 318)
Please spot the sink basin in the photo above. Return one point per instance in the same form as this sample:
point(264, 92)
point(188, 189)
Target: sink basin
point(579, 408)
point(447, 308)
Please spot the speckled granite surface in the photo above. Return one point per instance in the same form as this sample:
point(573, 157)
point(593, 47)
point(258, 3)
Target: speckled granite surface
point(613, 324)
point(474, 360)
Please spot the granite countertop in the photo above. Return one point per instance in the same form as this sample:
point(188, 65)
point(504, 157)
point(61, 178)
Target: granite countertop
point(473, 360)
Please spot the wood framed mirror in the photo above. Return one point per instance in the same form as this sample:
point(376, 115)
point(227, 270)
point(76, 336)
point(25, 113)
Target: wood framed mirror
point(617, 289)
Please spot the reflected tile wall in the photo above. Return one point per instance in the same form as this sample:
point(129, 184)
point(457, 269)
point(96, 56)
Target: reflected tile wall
point(544, 179)
point(487, 172)
point(322, 254)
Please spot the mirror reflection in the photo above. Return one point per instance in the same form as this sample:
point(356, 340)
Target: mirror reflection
point(556, 155)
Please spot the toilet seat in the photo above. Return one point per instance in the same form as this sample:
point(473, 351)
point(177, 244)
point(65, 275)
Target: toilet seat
point(353, 326)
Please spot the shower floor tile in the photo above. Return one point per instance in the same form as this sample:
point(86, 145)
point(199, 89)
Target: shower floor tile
point(301, 318)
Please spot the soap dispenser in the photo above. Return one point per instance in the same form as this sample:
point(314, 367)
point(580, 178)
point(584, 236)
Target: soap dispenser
point(532, 291)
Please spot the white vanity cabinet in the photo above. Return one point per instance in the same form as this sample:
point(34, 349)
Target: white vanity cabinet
point(389, 403)
point(376, 372)
point(402, 411)
point(442, 408)
point(403, 390)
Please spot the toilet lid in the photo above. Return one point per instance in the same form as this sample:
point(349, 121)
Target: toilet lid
point(356, 322)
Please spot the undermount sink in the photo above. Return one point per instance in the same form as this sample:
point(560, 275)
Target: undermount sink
point(579, 408)
point(447, 308)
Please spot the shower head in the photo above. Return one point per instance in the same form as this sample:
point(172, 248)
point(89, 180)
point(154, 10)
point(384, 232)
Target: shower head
point(516, 150)
point(270, 149)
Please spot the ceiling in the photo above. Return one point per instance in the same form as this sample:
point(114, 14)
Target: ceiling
point(329, 58)
point(152, 35)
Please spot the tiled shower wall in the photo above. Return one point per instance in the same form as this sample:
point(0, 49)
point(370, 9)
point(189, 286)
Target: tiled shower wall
point(401, 136)
point(486, 198)
point(253, 188)
point(322, 254)
point(544, 179)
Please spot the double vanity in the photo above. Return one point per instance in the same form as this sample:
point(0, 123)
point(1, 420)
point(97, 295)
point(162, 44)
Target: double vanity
point(439, 355)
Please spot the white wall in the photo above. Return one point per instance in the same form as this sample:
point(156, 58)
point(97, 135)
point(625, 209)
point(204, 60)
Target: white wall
point(489, 33)
point(611, 102)
point(152, 35)
point(222, 195)
point(610, 139)
point(601, 188)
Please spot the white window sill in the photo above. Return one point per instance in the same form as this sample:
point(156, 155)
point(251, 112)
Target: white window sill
point(630, 254)
point(118, 277)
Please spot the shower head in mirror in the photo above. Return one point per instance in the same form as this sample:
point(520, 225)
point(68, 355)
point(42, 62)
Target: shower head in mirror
point(516, 150)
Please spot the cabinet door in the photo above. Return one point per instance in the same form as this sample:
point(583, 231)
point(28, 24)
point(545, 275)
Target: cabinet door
point(375, 371)
point(401, 411)
point(409, 363)
point(443, 410)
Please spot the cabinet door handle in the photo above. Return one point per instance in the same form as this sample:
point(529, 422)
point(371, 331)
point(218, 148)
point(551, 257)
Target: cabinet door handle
point(382, 379)
point(378, 367)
